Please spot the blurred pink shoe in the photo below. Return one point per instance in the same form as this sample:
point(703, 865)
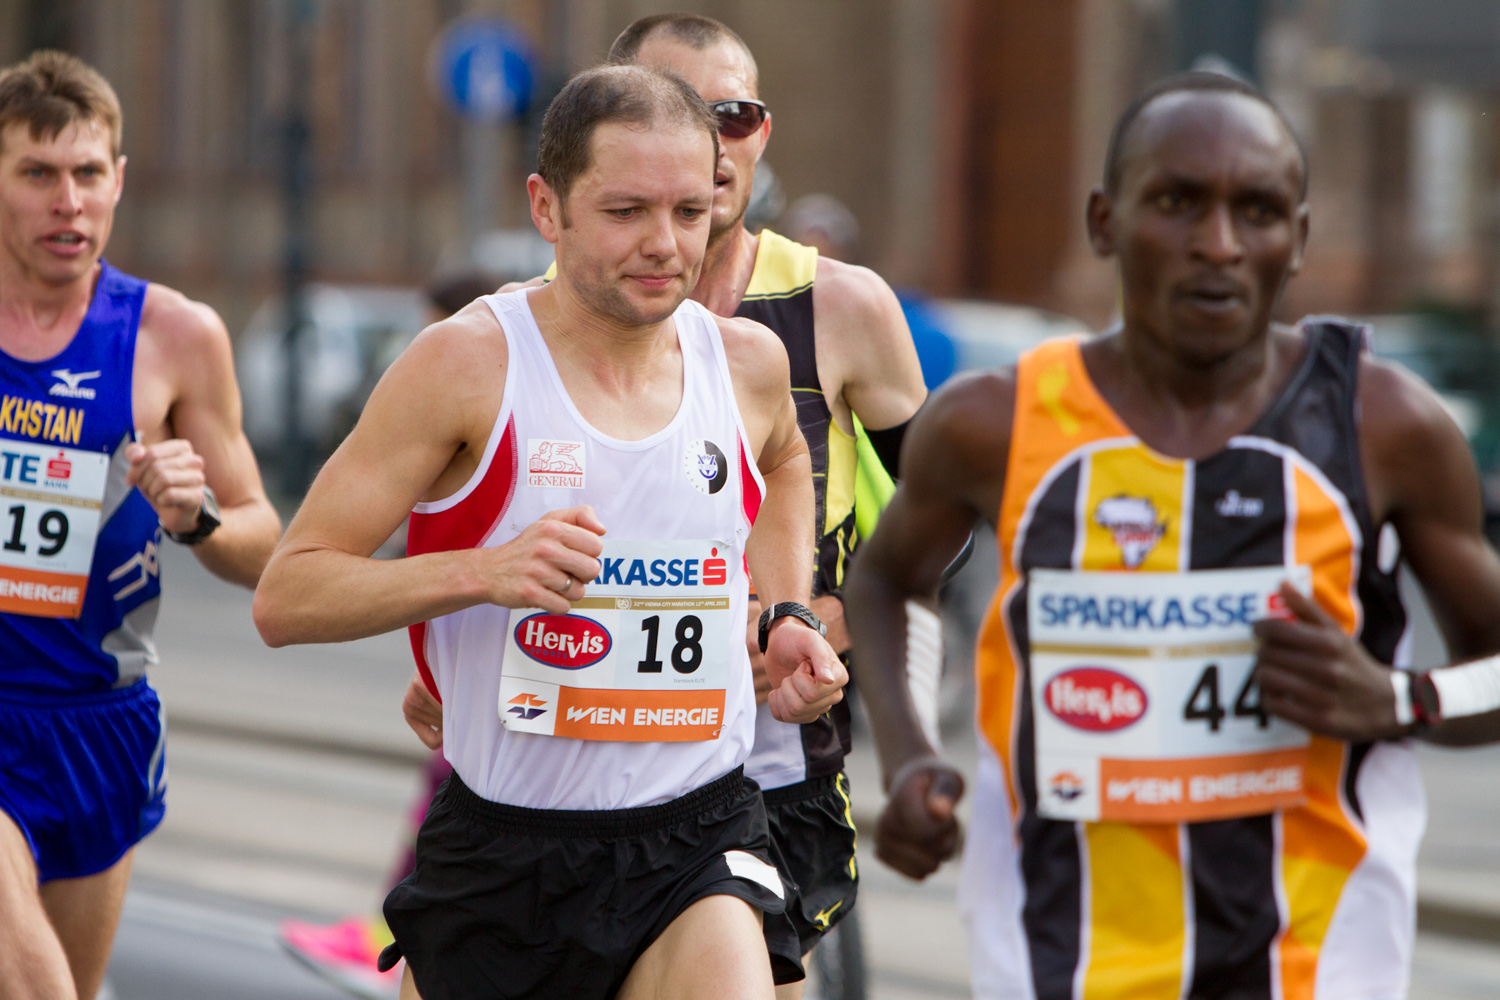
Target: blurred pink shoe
point(344, 953)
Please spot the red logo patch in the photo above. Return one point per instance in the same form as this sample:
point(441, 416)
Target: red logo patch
point(570, 642)
point(715, 571)
point(1097, 699)
point(59, 467)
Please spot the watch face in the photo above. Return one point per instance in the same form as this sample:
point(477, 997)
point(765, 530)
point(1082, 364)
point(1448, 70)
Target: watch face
point(210, 510)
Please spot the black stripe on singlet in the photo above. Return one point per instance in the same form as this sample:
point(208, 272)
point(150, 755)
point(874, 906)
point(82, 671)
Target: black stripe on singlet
point(1051, 865)
point(1239, 517)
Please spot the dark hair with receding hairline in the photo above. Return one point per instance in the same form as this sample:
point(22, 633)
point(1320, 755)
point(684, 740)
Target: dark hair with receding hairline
point(1191, 82)
point(50, 90)
point(694, 30)
point(634, 96)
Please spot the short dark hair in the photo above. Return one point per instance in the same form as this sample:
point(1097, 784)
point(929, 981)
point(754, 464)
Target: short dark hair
point(1190, 82)
point(639, 96)
point(693, 30)
point(50, 90)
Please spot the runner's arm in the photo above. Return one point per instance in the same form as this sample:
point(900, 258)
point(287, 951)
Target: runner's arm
point(862, 331)
point(805, 674)
point(955, 475)
point(860, 324)
point(203, 440)
point(321, 584)
point(1421, 477)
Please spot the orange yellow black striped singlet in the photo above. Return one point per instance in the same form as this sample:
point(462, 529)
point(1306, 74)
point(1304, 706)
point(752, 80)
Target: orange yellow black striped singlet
point(1313, 900)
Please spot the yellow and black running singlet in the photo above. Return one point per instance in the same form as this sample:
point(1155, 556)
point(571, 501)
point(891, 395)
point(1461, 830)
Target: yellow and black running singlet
point(1291, 902)
point(780, 295)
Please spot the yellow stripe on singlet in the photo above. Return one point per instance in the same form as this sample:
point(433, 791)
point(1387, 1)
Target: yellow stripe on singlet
point(782, 268)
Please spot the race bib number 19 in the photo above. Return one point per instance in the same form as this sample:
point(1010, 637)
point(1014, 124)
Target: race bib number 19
point(644, 656)
point(1143, 700)
point(50, 501)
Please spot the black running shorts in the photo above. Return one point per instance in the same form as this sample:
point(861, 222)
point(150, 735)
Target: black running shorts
point(812, 843)
point(513, 902)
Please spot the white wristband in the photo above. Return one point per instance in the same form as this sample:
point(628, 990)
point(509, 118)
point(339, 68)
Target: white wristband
point(924, 666)
point(1401, 681)
point(1468, 689)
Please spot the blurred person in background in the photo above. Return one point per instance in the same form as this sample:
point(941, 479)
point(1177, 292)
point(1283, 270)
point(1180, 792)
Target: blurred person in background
point(119, 423)
point(1239, 816)
point(824, 223)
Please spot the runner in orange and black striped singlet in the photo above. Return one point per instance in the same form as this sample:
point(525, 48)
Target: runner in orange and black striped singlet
point(1192, 779)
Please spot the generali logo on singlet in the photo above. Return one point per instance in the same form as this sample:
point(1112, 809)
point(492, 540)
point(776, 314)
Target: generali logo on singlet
point(551, 462)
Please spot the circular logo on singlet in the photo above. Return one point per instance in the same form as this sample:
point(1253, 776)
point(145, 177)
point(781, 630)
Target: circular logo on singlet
point(705, 466)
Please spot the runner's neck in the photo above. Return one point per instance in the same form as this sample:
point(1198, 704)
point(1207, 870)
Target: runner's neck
point(614, 354)
point(727, 267)
point(1189, 410)
point(38, 321)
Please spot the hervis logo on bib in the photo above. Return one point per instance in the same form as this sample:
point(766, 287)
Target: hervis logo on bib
point(1096, 699)
point(570, 642)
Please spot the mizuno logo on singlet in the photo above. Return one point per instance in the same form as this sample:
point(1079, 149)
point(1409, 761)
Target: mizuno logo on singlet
point(68, 384)
point(44, 421)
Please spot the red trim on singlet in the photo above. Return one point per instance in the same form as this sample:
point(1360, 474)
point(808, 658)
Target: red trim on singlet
point(468, 524)
point(749, 491)
point(750, 496)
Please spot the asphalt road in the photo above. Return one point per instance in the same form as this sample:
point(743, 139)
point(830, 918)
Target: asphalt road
point(291, 776)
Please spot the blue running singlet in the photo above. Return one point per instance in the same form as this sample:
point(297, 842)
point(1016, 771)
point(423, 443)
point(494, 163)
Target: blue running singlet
point(61, 421)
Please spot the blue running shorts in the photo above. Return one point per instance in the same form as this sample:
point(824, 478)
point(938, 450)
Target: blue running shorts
point(85, 779)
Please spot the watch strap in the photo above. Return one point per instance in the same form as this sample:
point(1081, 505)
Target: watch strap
point(788, 609)
point(208, 521)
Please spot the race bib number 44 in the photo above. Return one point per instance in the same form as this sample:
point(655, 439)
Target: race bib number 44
point(644, 656)
point(50, 501)
point(1144, 705)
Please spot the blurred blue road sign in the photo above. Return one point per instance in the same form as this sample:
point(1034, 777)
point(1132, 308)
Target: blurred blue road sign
point(483, 70)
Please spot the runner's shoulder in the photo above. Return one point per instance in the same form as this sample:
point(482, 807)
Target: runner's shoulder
point(180, 326)
point(469, 341)
point(856, 302)
point(964, 427)
point(1402, 419)
point(1398, 410)
point(757, 358)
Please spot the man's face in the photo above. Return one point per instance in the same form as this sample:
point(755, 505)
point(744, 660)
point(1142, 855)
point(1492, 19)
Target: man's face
point(637, 221)
point(721, 72)
point(57, 200)
point(1208, 222)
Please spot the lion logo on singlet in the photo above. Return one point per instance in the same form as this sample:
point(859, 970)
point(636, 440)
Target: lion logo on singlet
point(554, 463)
point(1134, 525)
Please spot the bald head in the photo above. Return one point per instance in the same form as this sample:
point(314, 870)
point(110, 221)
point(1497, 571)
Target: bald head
point(693, 30)
point(1174, 94)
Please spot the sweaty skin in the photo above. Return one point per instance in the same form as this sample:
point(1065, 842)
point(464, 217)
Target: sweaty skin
point(1207, 225)
point(57, 201)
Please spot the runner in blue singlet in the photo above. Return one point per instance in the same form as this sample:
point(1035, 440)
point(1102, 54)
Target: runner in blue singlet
point(118, 412)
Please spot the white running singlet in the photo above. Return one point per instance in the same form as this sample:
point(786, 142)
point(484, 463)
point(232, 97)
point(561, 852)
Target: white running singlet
point(693, 481)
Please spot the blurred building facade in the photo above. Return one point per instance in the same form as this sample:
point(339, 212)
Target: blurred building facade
point(964, 134)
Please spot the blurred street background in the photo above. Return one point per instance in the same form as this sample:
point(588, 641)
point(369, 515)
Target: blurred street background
point(308, 167)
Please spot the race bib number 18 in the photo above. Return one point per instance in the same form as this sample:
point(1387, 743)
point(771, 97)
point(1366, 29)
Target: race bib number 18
point(1143, 700)
point(50, 501)
point(644, 656)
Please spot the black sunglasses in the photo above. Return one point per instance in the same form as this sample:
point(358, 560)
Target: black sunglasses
point(738, 119)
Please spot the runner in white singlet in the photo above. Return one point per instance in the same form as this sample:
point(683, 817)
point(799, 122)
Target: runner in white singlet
point(591, 469)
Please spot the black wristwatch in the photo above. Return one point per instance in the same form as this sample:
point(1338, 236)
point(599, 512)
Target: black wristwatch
point(788, 609)
point(208, 522)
